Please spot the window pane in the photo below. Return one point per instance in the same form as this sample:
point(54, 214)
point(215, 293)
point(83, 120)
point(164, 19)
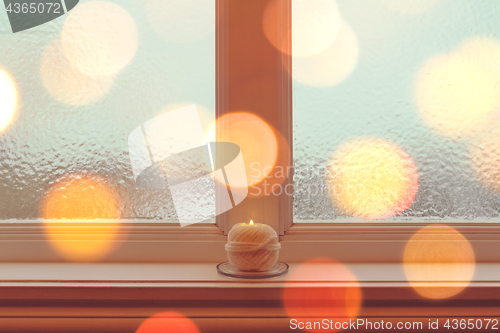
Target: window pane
point(74, 90)
point(396, 111)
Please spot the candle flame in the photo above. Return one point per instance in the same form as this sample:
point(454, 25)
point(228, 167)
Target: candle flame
point(251, 222)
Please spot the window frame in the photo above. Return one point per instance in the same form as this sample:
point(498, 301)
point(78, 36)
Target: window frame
point(348, 242)
point(231, 56)
point(144, 241)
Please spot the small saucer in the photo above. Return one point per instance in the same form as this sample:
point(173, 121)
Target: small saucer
point(226, 269)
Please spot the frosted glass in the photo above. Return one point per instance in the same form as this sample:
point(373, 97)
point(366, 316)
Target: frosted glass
point(391, 95)
point(54, 135)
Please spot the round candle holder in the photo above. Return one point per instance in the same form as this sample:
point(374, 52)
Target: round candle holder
point(226, 269)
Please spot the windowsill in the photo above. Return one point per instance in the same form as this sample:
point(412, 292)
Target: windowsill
point(368, 275)
point(118, 297)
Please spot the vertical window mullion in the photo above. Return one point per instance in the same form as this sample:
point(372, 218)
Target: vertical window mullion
point(244, 55)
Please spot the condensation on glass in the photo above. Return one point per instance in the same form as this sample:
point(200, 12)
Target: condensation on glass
point(84, 83)
point(397, 117)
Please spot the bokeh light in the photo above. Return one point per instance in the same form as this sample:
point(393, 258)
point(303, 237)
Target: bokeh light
point(99, 38)
point(78, 198)
point(485, 153)
point(67, 84)
point(372, 178)
point(485, 53)
point(257, 141)
point(168, 322)
point(455, 94)
point(205, 114)
point(336, 296)
point(439, 262)
point(275, 175)
point(410, 6)
point(206, 119)
point(181, 21)
point(331, 66)
point(314, 25)
point(272, 184)
point(8, 99)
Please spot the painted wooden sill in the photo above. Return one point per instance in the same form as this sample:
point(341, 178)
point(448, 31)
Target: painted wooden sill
point(104, 297)
point(204, 275)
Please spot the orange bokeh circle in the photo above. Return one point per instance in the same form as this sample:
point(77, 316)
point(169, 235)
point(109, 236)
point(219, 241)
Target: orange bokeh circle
point(336, 294)
point(168, 322)
point(372, 178)
point(257, 141)
point(439, 262)
point(81, 213)
point(274, 184)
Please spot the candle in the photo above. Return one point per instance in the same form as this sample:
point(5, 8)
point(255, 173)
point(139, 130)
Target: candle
point(252, 246)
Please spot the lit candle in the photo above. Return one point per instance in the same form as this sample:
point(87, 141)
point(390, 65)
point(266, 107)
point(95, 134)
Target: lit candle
point(252, 246)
